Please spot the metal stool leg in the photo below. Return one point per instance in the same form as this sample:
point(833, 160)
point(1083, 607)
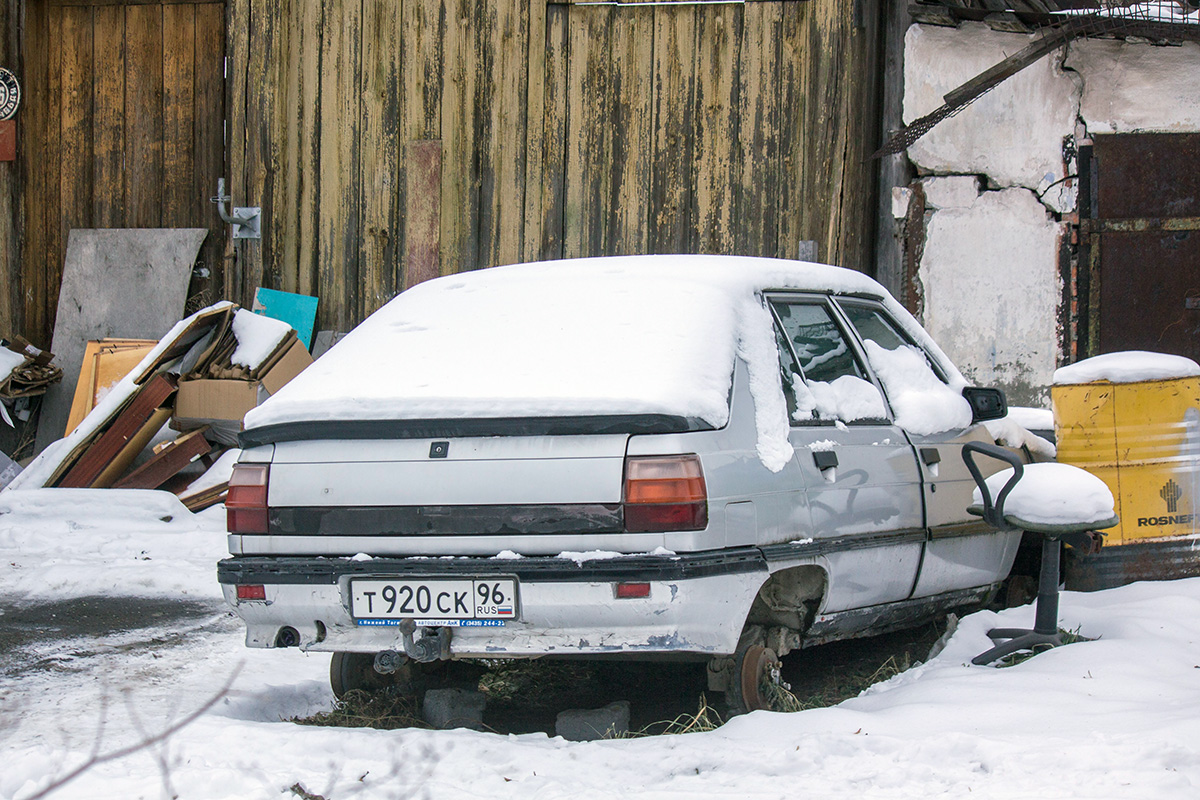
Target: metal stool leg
point(1045, 627)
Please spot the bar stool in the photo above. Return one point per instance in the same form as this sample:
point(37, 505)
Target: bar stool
point(1079, 533)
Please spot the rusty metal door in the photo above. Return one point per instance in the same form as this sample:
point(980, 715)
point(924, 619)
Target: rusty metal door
point(1140, 222)
point(125, 129)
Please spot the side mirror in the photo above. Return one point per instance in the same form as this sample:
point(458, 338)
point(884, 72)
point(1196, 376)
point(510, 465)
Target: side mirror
point(985, 403)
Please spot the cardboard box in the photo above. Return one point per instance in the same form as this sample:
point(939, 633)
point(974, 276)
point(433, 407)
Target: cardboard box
point(216, 400)
point(290, 363)
point(222, 404)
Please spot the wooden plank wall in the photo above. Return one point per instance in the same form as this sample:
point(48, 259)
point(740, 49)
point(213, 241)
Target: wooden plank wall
point(549, 129)
point(121, 126)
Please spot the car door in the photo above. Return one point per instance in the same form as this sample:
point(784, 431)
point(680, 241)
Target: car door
point(961, 551)
point(862, 481)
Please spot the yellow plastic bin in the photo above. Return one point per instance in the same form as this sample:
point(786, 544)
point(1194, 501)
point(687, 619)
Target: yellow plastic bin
point(1133, 420)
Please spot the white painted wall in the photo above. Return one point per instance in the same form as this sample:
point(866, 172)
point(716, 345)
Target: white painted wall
point(983, 251)
point(1138, 87)
point(1013, 134)
point(990, 272)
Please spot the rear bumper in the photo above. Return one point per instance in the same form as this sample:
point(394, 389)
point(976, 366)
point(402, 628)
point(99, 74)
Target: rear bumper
point(697, 603)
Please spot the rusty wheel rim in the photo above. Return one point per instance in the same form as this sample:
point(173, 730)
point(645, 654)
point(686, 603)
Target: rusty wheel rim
point(756, 669)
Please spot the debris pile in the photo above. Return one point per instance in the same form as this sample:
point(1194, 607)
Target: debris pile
point(199, 380)
point(25, 370)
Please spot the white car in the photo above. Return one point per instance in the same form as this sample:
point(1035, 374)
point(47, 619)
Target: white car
point(691, 457)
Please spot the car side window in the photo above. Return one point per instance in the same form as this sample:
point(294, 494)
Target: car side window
point(873, 325)
point(827, 382)
point(920, 397)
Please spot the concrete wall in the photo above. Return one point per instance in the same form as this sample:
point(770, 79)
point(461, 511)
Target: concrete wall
point(997, 178)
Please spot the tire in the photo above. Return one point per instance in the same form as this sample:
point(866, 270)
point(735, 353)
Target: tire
point(356, 672)
point(350, 672)
point(754, 667)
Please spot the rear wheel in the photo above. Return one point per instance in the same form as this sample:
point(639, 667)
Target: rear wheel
point(350, 672)
point(356, 672)
point(756, 670)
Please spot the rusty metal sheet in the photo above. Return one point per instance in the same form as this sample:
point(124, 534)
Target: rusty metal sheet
point(1159, 560)
point(1148, 175)
point(1142, 232)
point(1149, 293)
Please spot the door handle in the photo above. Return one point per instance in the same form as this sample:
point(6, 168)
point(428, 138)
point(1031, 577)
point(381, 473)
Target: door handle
point(930, 456)
point(825, 459)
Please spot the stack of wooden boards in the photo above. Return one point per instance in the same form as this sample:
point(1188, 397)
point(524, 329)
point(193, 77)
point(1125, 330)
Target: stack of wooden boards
point(32, 374)
point(188, 379)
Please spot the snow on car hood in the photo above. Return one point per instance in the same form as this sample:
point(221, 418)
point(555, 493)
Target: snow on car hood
point(626, 335)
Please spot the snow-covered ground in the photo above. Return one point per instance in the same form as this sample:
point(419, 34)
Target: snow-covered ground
point(1118, 717)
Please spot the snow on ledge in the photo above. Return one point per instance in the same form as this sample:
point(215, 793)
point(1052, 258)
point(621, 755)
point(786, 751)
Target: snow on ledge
point(1130, 366)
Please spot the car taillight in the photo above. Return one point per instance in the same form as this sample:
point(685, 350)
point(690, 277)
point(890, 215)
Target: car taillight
point(665, 493)
point(246, 503)
point(251, 591)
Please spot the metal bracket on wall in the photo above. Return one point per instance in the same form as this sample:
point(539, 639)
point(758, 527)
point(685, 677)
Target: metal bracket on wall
point(246, 222)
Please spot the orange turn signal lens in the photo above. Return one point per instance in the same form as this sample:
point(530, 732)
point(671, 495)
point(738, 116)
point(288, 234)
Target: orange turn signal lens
point(665, 493)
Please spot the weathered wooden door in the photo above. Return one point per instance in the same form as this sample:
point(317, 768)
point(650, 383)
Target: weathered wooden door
point(707, 128)
point(389, 141)
point(1140, 219)
point(125, 128)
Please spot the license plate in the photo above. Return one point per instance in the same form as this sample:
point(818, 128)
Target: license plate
point(434, 601)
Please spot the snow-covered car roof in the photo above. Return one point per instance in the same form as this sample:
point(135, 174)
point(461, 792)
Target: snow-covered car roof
point(604, 336)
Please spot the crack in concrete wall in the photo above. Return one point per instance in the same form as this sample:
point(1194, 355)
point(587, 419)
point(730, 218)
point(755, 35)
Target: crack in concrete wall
point(1000, 180)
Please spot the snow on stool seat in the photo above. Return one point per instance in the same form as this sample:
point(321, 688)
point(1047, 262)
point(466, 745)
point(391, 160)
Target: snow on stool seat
point(1060, 502)
point(1050, 498)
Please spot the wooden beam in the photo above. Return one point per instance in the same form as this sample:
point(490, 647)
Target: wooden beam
point(167, 462)
point(144, 407)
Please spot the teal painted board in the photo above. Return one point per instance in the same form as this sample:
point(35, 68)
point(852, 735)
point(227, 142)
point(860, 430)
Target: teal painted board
point(297, 310)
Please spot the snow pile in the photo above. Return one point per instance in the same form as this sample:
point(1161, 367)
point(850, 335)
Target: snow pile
point(1109, 718)
point(921, 402)
point(1053, 494)
point(1130, 366)
point(630, 335)
point(78, 542)
point(1034, 419)
point(257, 337)
point(847, 398)
point(1009, 433)
point(757, 347)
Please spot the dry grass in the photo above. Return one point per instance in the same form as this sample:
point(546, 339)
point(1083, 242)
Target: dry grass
point(383, 710)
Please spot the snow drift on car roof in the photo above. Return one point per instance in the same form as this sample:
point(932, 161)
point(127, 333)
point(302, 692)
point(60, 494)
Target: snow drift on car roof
point(604, 336)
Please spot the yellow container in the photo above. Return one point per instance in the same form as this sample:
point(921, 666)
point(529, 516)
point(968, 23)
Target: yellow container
point(1143, 440)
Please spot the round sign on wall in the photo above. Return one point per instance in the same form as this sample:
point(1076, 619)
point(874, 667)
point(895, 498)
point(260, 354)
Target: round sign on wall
point(10, 94)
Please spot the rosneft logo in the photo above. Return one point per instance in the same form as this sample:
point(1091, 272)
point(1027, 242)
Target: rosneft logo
point(1171, 494)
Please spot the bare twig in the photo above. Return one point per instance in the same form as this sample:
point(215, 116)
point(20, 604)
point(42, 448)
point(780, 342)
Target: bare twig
point(160, 753)
point(97, 758)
